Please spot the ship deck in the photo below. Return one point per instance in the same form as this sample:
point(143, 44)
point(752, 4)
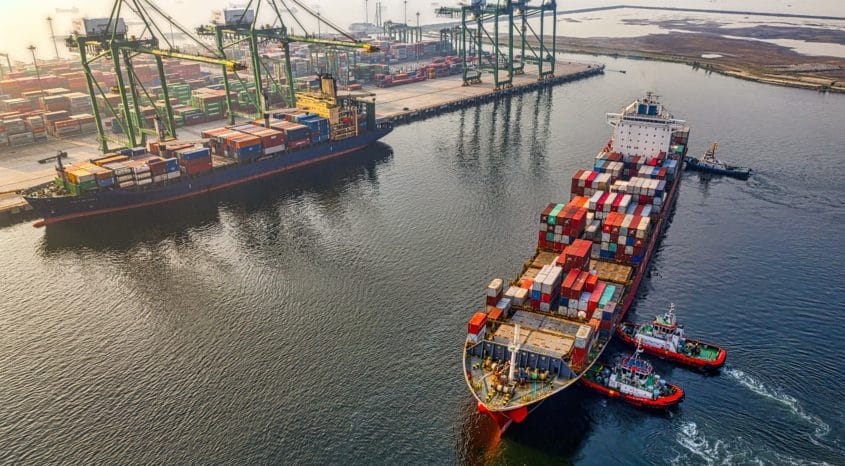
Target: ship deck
point(545, 341)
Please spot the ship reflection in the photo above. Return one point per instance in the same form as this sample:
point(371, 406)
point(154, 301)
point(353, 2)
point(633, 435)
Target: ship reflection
point(179, 220)
point(556, 429)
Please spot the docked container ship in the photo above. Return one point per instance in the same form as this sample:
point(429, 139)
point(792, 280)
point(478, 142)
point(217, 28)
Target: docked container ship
point(322, 127)
point(541, 332)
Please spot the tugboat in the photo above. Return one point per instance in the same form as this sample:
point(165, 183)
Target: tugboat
point(664, 338)
point(710, 164)
point(634, 381)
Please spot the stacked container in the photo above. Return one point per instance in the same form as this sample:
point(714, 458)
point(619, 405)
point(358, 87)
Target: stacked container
point(623, 238)
point(494, 291)
point(517, 295)
point(601, 203)
point(318, 126)
point(243, 147)
point(296, 135)
point(477, 327)
point(586, 183)
point(642, 190)
point(576, 289)
point(194, 160)
point(545, 289)
point(560, 224)
point(581, 348)
point(575, 256)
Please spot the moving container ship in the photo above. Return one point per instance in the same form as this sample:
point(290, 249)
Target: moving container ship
point(541, 332)
point(320, 128)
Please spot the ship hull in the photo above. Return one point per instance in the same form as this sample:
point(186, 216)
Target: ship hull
point(59, 209)
point(663, 402)
point(663, 353)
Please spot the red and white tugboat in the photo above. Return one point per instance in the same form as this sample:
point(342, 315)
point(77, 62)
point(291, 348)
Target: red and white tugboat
point(634, 381)
point(664, 338)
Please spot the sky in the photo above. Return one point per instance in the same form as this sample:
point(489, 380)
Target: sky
point(23, 23)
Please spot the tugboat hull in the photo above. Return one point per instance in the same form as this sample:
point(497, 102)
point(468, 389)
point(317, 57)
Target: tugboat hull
point(741, 173)
point(661, 403)
point(689, 361)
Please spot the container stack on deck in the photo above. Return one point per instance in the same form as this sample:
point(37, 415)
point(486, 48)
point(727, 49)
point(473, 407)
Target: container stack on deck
point(587, 247)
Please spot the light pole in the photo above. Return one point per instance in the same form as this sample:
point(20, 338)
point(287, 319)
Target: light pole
point(406, 12)
point(53, 36)
point(31, 48)
point(416, 48)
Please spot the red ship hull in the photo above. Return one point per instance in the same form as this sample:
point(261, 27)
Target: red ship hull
point(663, 402)
point(688, 361)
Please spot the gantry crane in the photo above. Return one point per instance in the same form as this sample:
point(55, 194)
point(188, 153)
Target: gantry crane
point(244, 28)
point(471, 40)
point(108, 38)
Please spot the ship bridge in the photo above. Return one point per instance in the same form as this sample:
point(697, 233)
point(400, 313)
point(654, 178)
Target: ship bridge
point(643, 128)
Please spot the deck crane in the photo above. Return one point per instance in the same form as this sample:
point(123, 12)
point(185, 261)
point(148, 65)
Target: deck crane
point(109, 39)
point(502, 55)
point(242, 25)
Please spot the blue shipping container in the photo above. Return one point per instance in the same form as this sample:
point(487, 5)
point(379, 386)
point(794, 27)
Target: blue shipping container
point(171, 165)
point(195, 154)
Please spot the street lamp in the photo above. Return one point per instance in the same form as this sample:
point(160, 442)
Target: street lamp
point(53, 36)
point(406, 12)
point(31, 48)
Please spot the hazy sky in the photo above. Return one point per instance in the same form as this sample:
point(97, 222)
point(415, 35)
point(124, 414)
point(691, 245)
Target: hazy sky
point(24, 22)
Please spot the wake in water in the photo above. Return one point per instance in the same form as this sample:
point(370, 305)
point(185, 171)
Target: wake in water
point(701, 450)
point(821, 428)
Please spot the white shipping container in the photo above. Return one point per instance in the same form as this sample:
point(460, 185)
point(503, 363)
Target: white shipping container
point(494, 288)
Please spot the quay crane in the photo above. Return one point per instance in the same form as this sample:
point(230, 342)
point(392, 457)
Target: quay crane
point(501, 58)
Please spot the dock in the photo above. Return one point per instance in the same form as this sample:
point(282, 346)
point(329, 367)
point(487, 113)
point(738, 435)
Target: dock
point(19, 167)
point(412, 102)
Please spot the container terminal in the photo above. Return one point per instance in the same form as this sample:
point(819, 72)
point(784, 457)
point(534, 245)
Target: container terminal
point(133, 86)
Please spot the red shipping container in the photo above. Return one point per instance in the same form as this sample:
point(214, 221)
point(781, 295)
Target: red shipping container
point(157, 167)
point(592, 281)
point(193, 167)
point(569, 281)
point(495, 314)
point(578, 287)
point(476, 323)
point(593, 303)
point(492, 300)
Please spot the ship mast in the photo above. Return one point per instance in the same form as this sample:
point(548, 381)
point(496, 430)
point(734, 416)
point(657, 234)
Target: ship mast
point(669, 317)
point(514, 348)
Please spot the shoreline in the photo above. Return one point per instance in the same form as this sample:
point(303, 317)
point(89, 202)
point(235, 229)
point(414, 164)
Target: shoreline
point(747, 73)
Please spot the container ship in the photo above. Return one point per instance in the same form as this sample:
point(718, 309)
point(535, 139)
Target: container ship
point(542, 331)
point(322, 127)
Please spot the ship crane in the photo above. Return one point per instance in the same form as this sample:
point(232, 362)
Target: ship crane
point(514, 348)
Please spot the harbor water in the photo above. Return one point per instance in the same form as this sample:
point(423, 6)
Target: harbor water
point(319, 317)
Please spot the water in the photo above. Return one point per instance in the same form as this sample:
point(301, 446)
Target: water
point(319, 317)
